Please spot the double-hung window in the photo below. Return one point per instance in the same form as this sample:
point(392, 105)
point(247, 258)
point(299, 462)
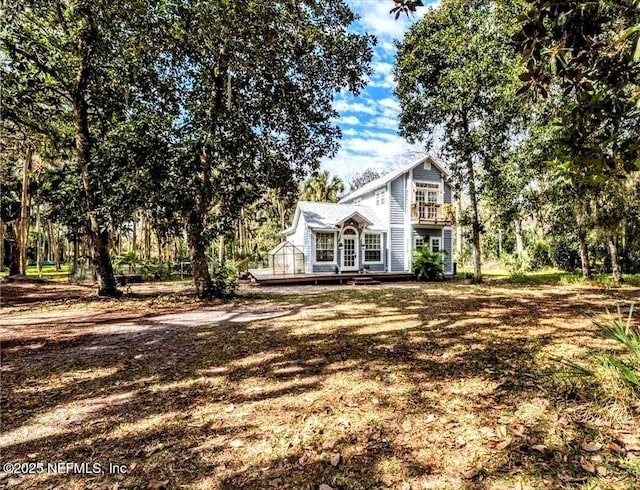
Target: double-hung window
point(372, 248)
point(380, 197)
point(325, 247)
point(435, 244)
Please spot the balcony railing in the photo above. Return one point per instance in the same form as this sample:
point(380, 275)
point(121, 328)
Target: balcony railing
point(427, 212)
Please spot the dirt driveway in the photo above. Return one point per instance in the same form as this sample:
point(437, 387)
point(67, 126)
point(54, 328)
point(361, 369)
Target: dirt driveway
point(403, 386)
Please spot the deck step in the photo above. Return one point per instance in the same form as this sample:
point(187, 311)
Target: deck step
point(362, 281)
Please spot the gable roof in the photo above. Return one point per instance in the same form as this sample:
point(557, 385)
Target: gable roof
point(385, 179)
point(327, 215)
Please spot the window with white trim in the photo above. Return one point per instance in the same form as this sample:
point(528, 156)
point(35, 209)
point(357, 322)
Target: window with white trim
point(357, 201)
point(325, 247)
point(427, 192)
point(380, 197)
point(435, 244)
point(372, 247)
point(418, 243)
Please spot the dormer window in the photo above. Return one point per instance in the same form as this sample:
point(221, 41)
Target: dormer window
point(380, 197)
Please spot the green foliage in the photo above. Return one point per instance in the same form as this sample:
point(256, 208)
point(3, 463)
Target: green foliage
point(457, 74)
point(322, 187)
point(564, 252)
point(428, 265)
point(586, 49)
point(628, 336)
point(539, 255)
point(516, 264)
point(224, 281)
point(617, 374)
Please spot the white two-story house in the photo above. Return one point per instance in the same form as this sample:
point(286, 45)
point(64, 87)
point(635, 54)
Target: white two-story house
point(378, 226)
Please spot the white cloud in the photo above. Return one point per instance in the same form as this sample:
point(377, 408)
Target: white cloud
point(376, 19)
point(383, 122)
point(382, 68)
point(378, 151)
point(350, 120)
point(343, 106)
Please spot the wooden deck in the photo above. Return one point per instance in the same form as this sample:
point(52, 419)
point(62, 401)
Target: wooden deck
point(263, 278)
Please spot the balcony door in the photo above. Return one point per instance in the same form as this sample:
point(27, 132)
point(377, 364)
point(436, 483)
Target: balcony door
point(428, 199)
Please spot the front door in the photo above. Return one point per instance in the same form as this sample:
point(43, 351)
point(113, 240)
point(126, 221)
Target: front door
point(349, 250)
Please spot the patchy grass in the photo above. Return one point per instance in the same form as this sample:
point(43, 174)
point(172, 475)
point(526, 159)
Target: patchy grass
point(444, 386)
point(48, 271)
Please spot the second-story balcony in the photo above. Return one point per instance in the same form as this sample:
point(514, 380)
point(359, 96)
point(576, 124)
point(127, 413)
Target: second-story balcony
point(428, 213)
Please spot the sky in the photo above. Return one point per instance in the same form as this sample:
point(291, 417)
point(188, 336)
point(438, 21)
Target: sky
point(369, 122)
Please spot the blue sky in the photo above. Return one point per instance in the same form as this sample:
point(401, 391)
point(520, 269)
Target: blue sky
point(369, 122)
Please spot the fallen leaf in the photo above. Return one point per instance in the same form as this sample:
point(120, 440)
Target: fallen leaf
point(487, 432)
point(587, 465)
point(591, 447)
point(237, 443)
point(470, 473)
point(335, 459)
point(430, 418)
point(460, 441)
point(500, 446)
point(324, 486)
point(540, 448)
point(406, 426)
point(629, 442)
point(519, 430)
point(330, 444)
point(601, 470)
point(615, 447)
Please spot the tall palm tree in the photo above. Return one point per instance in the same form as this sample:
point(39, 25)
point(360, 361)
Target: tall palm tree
point(322, 187)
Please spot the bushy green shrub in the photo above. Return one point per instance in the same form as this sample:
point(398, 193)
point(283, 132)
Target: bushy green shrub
point(428, 265)
point(516, 264)
point(224, 281)
point(564, 253)
point(538, 255)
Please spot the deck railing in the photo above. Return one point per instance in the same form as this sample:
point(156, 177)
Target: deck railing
point(427, 212)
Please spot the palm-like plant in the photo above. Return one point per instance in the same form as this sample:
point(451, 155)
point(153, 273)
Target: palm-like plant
point(428, 265)
point(322, 187)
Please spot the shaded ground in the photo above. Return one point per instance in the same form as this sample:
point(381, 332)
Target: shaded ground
point(415, 386)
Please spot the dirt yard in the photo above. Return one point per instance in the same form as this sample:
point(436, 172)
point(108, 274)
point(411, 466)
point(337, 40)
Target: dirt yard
point(403, 386)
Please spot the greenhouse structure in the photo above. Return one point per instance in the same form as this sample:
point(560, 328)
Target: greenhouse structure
point(286, 258)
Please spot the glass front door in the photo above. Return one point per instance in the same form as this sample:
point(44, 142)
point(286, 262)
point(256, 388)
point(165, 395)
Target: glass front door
point(349, 250)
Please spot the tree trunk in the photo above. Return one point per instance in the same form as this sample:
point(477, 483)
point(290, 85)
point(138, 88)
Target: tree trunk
point(2, 238)
point(499, 241)
point(458, 201)
point(134, 236)
point(475, 223)
point(23, 230)
point(55, 245)
point(197, 247)
point(615, 260)
point(475, 219)
point(147, 236)
point(38, 242)
point(519, 240)
point(76, 256)
point(584, 254)
point(13, 250)
point(98, 238)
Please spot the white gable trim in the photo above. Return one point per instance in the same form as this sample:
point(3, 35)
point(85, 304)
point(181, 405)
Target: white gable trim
point(375, 184)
